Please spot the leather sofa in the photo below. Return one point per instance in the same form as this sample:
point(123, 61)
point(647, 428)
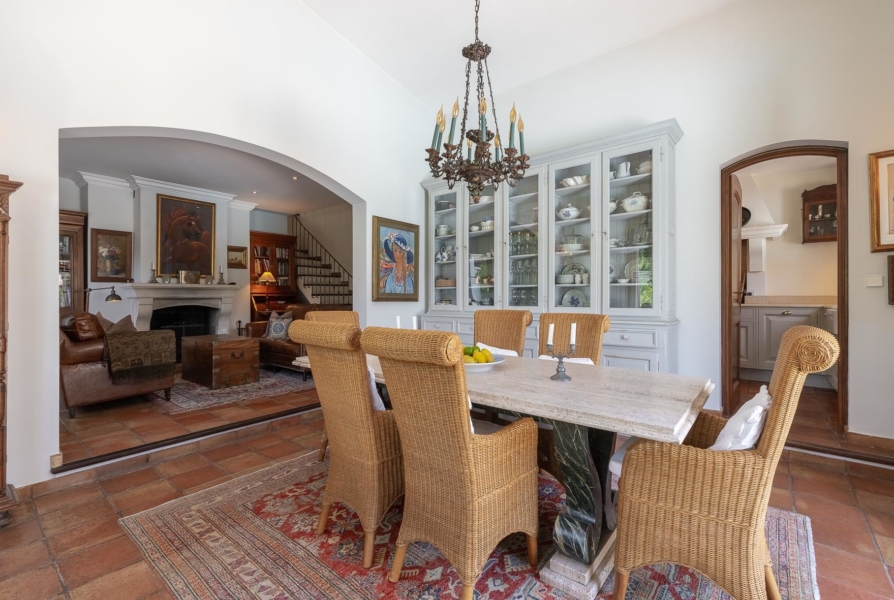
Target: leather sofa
point(281, 353)
point(84, 376)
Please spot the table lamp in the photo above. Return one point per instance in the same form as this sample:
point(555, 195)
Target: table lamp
point(266, 279)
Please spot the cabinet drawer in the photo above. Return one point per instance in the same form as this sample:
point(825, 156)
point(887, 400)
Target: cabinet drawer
point(772, 324)
point(465, 328)
point(631, 338)
point(439, 325)
point(630, 359)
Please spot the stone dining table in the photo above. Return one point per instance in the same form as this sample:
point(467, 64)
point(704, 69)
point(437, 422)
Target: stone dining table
point(585, 413)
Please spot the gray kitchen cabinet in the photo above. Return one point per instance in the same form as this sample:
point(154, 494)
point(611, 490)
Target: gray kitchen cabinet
point(772, 323)
point(747, 345)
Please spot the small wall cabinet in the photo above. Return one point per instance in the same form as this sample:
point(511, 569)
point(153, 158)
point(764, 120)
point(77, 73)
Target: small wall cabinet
point(820, 214)
point(590, 229)
point(72, 266)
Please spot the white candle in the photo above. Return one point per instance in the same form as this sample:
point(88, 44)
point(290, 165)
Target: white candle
point(415, 325)
point(573, 333)
point(549, 337)
point(153, 266)
point(398, 321)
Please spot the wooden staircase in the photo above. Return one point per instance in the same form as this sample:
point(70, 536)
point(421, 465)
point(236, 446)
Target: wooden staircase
point(321, 278)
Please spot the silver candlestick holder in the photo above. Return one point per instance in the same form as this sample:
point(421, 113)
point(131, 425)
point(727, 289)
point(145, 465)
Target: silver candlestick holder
point(220, 280)
point(153, 278)
point(560, 375)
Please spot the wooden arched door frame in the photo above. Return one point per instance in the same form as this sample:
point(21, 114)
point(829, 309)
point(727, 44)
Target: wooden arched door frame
point(838, 151)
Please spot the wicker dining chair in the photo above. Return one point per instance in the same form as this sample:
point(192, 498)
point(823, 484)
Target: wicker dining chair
point(591, 328)
point(503, 328)
point(331, 316)
point(464, 492)
point(705, 509)
point(365, 461)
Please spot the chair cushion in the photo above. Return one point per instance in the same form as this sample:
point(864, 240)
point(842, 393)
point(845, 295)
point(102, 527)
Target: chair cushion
point(582, 361)
point(495, 350)
point(484, 427)
point(81, 327)
point(617, 460)
point(278, 326)
point(377, 403)
point(744, 428)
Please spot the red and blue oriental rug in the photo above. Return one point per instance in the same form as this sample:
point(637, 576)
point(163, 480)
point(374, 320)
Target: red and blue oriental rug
point(254, 537)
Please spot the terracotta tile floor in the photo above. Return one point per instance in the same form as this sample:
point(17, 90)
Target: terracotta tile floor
point(112, 426)
point(816, 422)
point(66, 543)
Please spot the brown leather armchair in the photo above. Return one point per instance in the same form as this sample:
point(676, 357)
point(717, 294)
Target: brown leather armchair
point(281, 353)
point(84, 376)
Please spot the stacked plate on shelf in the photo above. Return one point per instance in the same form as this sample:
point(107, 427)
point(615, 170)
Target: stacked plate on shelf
point(635, 275)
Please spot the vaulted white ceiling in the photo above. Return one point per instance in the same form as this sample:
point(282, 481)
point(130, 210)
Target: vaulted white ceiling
point(418, 42)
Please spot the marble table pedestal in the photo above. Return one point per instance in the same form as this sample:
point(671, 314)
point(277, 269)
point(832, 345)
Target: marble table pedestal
point(584, 533)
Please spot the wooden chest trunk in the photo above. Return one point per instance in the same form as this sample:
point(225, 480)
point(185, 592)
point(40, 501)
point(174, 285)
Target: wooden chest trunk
point(218, 361)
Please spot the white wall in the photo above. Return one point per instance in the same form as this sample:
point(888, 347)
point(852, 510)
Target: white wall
point(793, 268)
point(269, 221)
point(238, 217)
point(755, 73)
point(333, 228)
point(69, 195)
point(289, 84)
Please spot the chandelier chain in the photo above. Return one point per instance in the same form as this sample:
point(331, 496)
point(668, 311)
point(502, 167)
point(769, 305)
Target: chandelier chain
point(477, 6)
point(493, 105)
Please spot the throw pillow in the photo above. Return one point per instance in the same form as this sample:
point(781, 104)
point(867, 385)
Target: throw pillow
point(125, 324)
point(103, 321)
point(278, 326)
point(495, 350)
point(744, 428)
point(581, 361)
point(82, 327)
point(377, 403)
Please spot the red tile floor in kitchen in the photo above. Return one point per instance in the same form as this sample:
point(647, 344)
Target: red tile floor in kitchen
point(65, 542)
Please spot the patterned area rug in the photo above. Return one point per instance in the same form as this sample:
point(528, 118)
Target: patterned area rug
point(187, 396)
point(253, 537)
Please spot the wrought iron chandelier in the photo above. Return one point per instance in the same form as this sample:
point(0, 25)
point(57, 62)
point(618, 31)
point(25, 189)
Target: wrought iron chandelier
point(478, 168)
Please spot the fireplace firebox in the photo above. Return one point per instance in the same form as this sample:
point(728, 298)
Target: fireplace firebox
point(184, 321)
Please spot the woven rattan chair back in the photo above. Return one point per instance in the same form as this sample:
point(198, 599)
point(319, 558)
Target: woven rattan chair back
point(349, 317)
point(591, 329)
point(365, 466)
point(503, 328)
point(465, 492)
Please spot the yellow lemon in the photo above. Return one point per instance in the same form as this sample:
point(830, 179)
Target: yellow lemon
point(488, 356)
point(479, 357)
point(468, 359)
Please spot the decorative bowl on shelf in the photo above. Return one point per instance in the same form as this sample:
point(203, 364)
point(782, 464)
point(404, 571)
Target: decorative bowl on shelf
point(567, 182)
point(635, 203)
point(474, 228)
point(644, 167)
point(581, 179)
point(623, 281)
point(564, 279)
point(442, 205)
point(568, 212)
point(572, 247)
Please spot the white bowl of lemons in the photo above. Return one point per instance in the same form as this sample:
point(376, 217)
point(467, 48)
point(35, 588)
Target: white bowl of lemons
point(477, 360)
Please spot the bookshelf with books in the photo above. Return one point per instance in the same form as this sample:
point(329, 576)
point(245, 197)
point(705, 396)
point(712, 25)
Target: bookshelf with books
point(273, 253)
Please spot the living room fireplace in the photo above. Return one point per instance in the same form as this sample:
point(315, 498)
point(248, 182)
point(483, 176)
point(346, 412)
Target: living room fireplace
point(184, 321)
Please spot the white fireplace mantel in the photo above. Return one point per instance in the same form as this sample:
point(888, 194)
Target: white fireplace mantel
point(147, 297)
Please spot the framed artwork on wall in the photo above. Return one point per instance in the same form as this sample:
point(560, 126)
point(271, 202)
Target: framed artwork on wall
point(237, 257)
point(185, 239)
point(111, 257)
point(395, 250)
point(881, 203)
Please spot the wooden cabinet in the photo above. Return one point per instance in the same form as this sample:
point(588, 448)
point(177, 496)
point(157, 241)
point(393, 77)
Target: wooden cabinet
point(219, 361)
point(772, 323)
point(820, 214)
point(72, 266)
point(8, 499)
point(274, 253)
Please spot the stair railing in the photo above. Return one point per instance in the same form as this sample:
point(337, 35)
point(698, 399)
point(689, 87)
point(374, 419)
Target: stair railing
point(332, 282)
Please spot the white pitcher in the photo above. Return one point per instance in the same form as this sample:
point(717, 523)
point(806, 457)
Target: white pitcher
point(623, 169)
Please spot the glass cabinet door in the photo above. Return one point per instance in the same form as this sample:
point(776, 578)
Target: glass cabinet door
point(482, 273)
point(523, 269)
point(445, 249)
point(630, 208)
point(573, 225)
point(66, 250)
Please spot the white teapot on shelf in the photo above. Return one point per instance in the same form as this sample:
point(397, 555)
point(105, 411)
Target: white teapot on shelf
point(623, 169)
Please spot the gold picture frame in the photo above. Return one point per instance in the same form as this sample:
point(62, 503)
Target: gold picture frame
point(881, 202)
point(237, 257)
point(395, 250)
point(185, 235)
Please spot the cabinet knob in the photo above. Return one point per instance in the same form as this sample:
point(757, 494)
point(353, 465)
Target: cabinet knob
point(437, 326)
point(625, 337)
point(786, 313)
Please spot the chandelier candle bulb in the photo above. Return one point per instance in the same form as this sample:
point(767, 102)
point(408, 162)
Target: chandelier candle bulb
point(498, 150)
point(441, 132)
point(469, 149)
point(521, 135)
point(453, 120)
point(512, 117)
point(482, 110)
point(434, 137)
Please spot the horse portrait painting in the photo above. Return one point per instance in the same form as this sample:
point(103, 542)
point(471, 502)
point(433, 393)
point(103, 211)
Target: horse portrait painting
point(185, 235)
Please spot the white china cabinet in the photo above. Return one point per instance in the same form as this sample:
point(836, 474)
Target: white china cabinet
point(589, 229)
